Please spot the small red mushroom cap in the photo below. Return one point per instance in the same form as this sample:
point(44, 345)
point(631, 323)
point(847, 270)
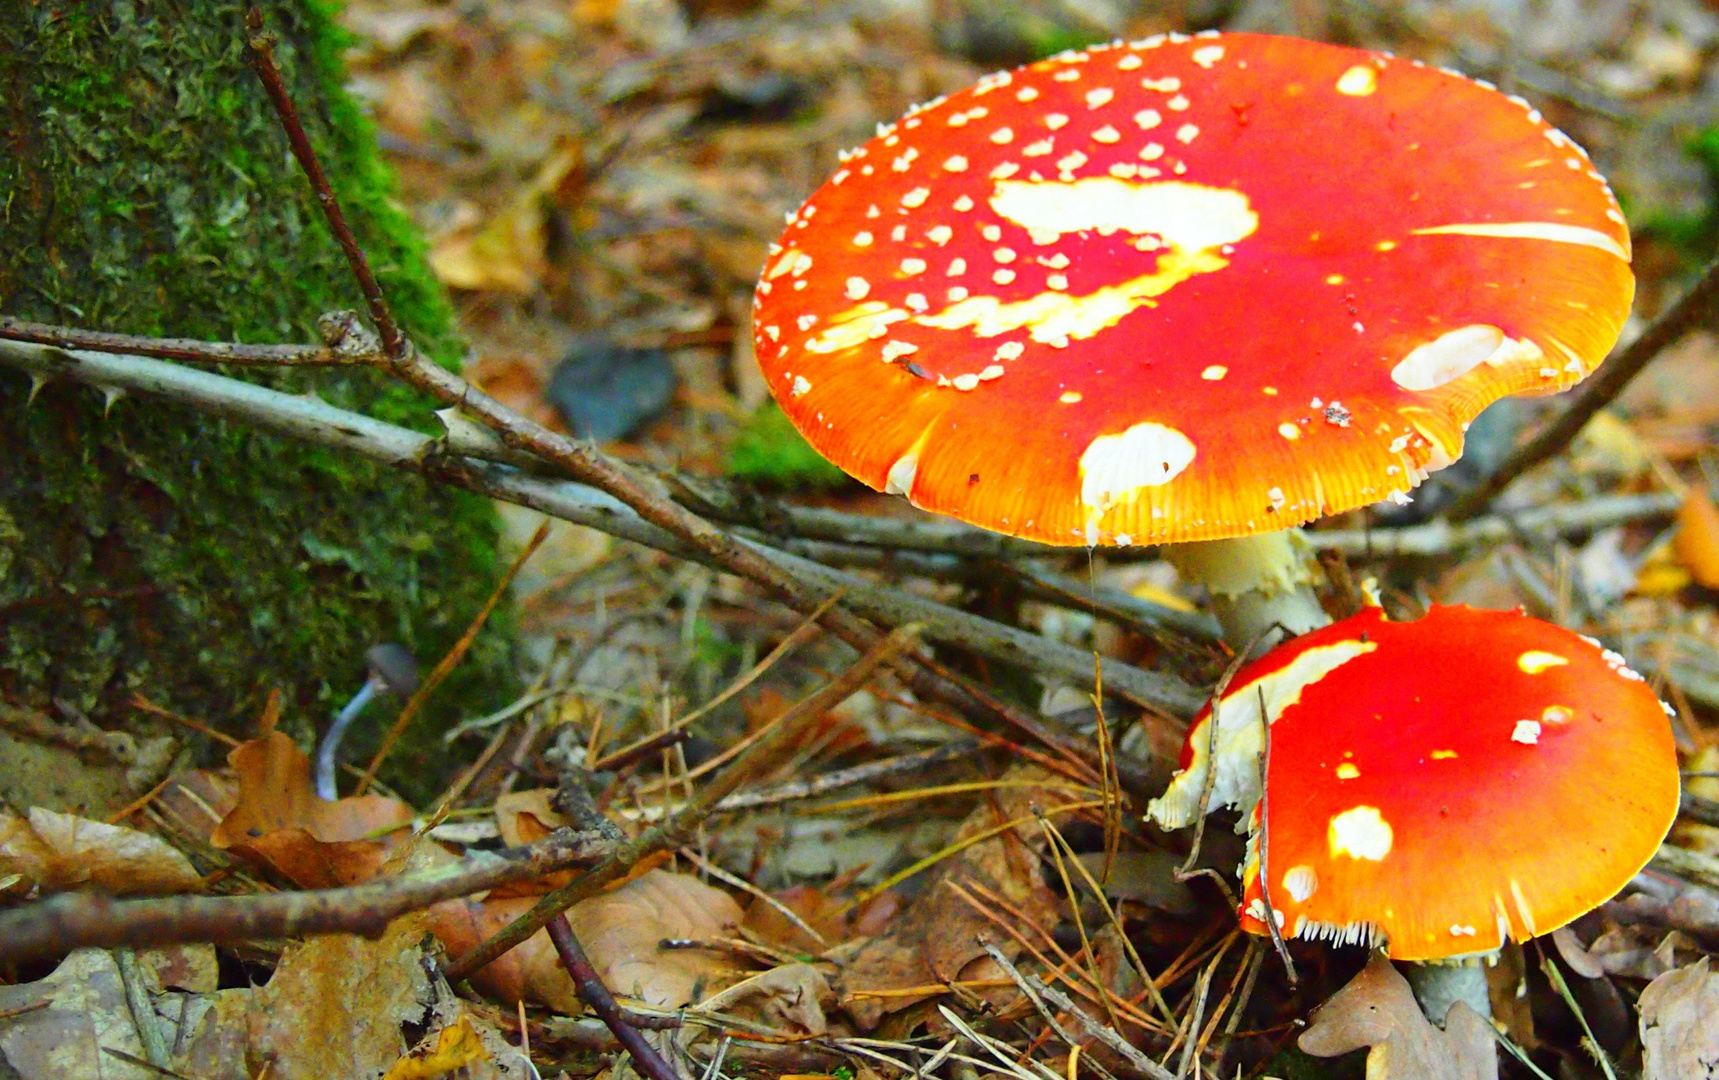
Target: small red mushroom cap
point(1438, 785)
point(1187, 288)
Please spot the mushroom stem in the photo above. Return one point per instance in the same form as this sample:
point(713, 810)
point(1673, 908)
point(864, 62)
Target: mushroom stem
point(1440, 984)
point(1256, 583)
point(328, 754)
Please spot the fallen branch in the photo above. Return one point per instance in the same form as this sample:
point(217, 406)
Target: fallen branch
point(76, 920)
point(1440, 537)
point(315, 421)
point(589, 986)
point(1689, 311)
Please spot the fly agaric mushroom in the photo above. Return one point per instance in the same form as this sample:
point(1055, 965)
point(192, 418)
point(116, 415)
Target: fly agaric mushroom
point(1188, 289)
point(1436, 786)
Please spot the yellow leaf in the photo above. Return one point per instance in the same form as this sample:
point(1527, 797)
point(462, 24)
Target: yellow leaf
point(1146, 590)
point(458, 1045)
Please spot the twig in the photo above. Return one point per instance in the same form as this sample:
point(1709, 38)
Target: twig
point(1440, 537)
point(580, 460)
point(394, 344)
point(1119, 606)
point(1213, 718)
point(1196, 1017)
point(593, 993)
point(1013, 1064)
point(671, 833)
point(208, 352)
point(923, 533)
point(76, 920)
point(1108, 1036)
point(1032, 995)
point(625, 756)
point(1254, 962)
point(143, 1016)
point(305, 417)
point(1684, 315)
point(859, 774)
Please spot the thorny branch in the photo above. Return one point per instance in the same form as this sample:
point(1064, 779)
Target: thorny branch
point(307, 418)
point(76, 920)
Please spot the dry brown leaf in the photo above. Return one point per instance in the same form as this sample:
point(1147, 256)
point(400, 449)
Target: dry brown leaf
point(52, 851)
point(785, 999)
point(196, 801)
point(937, 937)
point(1679, 1038)
point(1697, 540)
point(524, 816)
point(1378, 1009)
point(335, 1004)
point(530, 971)
point(507, 253)
point(280, 821)
point(57, 1028)
point(621, 929)
point(824, 912)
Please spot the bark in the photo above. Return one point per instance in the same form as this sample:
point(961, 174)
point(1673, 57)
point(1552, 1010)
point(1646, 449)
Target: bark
point(145, 187)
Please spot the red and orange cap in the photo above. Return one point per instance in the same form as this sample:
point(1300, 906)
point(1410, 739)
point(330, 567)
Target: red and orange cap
point(1438, 785)
point(1187, 288)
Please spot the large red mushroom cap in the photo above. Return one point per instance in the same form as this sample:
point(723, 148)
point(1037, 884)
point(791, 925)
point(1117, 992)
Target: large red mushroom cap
point(1438, 785)
point(1187, 288)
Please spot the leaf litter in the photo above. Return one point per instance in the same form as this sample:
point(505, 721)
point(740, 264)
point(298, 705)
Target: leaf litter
point(613, 172)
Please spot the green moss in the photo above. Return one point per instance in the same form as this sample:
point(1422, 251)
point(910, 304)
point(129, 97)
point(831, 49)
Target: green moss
point(163, 551)
point(769, 451)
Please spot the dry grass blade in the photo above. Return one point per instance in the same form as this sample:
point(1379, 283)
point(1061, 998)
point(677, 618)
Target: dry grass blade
point(1059, 971)
point(954, 849)
point(1057, 839)
point(1108, 1036)
point(1030, 992)
point(762, 754)
point(998, 1050)
point(1086, 949)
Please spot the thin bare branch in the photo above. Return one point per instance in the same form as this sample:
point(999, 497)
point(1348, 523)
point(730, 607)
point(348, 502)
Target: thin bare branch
point(1689, 311)
point(76, 920)
point(308, 418)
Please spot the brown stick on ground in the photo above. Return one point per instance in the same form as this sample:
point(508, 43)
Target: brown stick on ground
point(75, 920)
point(592, 992)
point(672, 833)
point(1681, 317)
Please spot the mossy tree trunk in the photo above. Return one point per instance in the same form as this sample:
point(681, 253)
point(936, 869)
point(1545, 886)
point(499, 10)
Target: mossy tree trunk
point(145, 187)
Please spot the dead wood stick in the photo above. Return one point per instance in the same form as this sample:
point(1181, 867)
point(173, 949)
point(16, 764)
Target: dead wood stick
point(592, 992)
point(1689, 311)
point(306, 418)
point(672, 833)
point(75, 920)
